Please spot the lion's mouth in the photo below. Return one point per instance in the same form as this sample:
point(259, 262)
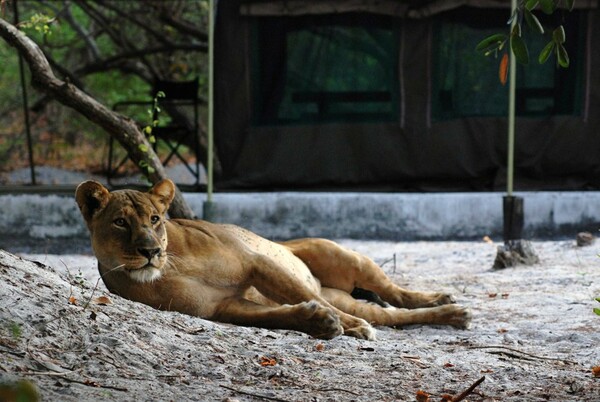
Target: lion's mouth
point(153, 261)
point(149, 264)
point(147, 273)
point(147, 270)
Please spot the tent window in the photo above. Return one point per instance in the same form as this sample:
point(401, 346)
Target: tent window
point(465, 83)
point(320, 69)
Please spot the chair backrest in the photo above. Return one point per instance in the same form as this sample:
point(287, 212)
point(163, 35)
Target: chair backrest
point(178, 89)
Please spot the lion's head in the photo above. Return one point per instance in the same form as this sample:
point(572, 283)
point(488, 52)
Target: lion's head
point(127, 227)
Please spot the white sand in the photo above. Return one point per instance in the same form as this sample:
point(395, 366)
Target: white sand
point(534, 336)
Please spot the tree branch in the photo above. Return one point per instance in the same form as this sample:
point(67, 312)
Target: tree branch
point(91, 46)
point(121, 128)
point(146, 27)
point(117, 60)
point(183, 26)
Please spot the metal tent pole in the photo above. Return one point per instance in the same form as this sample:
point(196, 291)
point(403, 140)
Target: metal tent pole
point(512, 85)
point(208, 211)
point(512, 206)
point(25, 104)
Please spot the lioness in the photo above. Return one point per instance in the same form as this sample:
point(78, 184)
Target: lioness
point(228, 274)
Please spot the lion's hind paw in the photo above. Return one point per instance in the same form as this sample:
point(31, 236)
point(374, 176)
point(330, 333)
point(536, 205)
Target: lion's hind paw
point(461, 317)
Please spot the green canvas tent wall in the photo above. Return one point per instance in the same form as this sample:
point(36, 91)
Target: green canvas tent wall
point(365, 94)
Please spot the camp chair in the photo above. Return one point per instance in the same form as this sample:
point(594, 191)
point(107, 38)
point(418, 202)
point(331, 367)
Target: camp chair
point(179, 95)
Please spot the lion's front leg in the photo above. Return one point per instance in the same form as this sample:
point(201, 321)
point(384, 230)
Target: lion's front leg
point(284, 287)
point(308, 317)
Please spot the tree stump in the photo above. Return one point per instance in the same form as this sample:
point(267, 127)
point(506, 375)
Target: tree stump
point(515, 252)
point(584, 239)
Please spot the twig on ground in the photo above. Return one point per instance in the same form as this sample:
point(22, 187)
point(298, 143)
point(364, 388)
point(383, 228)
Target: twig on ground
point(239, 391)
point(12, 352)
point(47, 373)
point(95, 384)
point(85, 306)
point(390, 260)
point(96, 286)
point(112, 363)
point(468, 391)
point(337, 389)
point(64, 377)
point(523, 353)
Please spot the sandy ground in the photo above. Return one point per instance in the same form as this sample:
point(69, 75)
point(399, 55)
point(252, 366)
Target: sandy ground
point(534, 336)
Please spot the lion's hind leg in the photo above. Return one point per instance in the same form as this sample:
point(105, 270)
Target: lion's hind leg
point(339, 268)
point(450, 314)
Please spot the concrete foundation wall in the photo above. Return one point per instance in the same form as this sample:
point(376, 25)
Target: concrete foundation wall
point(384, 216)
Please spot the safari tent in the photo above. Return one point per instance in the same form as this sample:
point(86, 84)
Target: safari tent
point(391, 95)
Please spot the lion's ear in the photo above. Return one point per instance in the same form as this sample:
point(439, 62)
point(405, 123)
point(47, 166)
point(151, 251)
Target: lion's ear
point(164, 191)
point(91, 197)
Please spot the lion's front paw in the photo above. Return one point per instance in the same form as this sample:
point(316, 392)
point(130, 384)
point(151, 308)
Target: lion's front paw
point(322, 322)
point(428, 299)
point(440, 299)
point(362, 332)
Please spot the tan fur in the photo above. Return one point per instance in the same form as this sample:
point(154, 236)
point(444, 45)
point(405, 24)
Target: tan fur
point(228, 274)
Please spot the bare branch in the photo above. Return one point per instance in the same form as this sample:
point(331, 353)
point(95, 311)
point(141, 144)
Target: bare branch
point(183, 26)
point(91, 46)
point(160, 37)
point(117, 60)
point(121, 128)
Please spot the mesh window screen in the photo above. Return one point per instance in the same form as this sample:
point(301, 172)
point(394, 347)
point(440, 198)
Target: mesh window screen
point(326, 69)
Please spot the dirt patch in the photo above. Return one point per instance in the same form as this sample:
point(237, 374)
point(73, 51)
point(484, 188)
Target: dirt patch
point(534, 336)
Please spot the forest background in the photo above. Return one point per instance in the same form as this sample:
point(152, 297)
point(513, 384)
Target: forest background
point(112, 50)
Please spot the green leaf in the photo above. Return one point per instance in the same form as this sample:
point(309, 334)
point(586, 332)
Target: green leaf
point(516, 30)
point(533, 22)
point(597, 311)
point(152, 139)
point(547, 6)
point(150, 170)
point(143, 148)
point(491, 42)
point(597, 299)
point(160, 94)
point(546, 52)
point(570, 4)
point(531, 4)
point(147, 130)
point(558, 35)
point(562, 55)
point(519, 49)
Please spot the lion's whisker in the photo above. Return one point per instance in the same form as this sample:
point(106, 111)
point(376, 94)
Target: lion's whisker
point(112, 269)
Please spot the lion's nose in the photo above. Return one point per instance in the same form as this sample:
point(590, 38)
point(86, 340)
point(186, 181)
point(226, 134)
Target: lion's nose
point(149, 252)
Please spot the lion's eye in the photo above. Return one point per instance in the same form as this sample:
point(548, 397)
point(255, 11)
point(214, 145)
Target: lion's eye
point(154, 219)
point(119, 222)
